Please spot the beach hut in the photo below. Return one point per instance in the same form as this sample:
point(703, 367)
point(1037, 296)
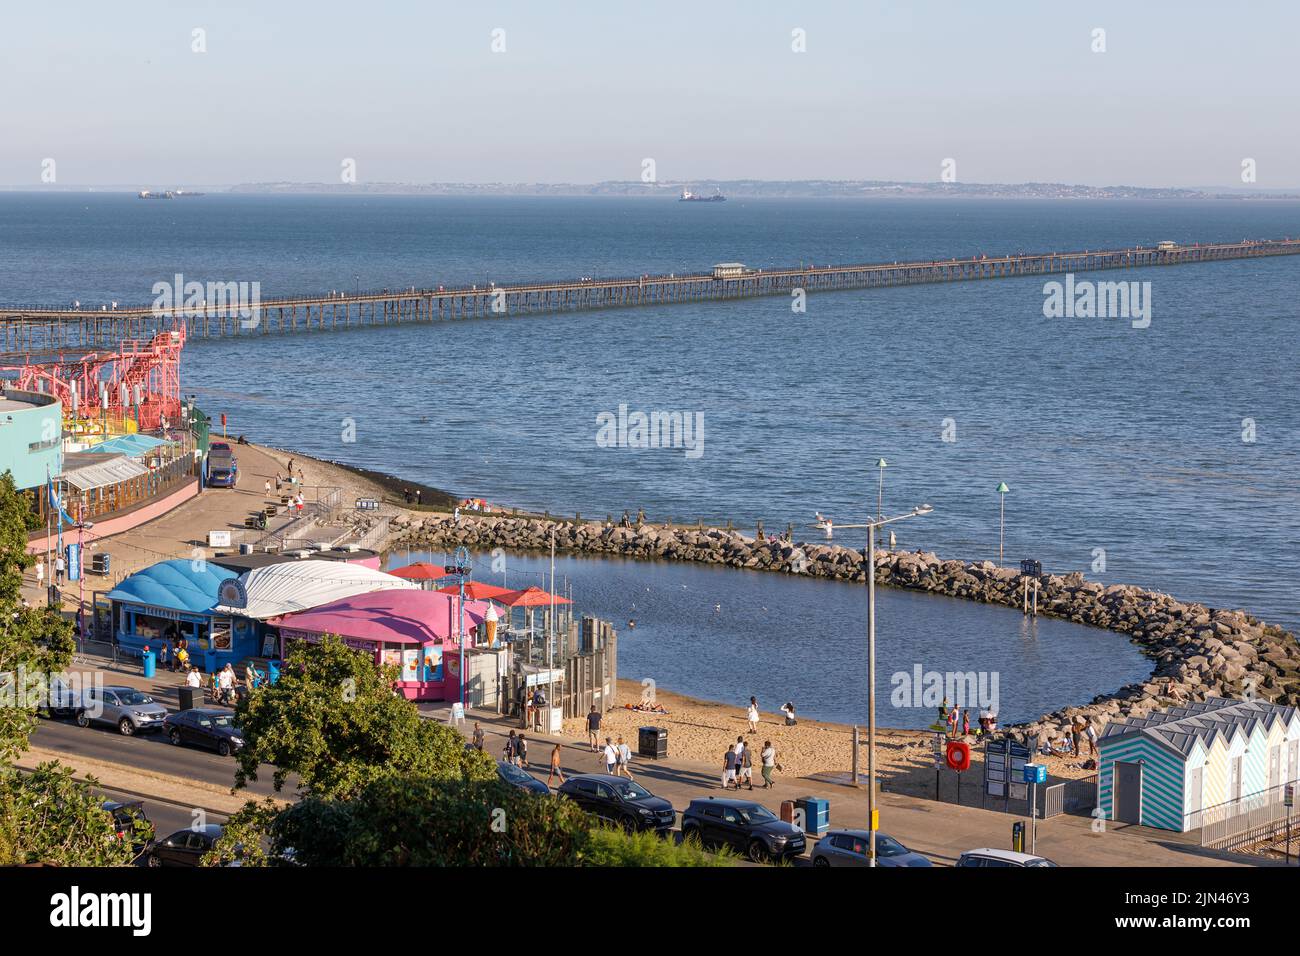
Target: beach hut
point(1181, 768)
point(414, 630)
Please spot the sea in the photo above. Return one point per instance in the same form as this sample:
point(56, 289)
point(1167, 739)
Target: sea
point(1164, 456)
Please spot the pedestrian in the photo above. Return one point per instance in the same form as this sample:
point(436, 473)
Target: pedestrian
point(740, 749)
point(478, 736)
point(40, 575)
point(162, 656)
point(1076, 728)
point(556, 770)
point(788, 710)
point(1091, 733)
point(510, 748)
point(593, 728)
point(753, 715)
point(193, 678)
point(746, 768)
point(521, 750)
point(611, 757)
point(624, 759)
point(729, 767)
point(539, 706)
point(59, 568)
point(266, 486)
point(291, 466)
point(768, 757)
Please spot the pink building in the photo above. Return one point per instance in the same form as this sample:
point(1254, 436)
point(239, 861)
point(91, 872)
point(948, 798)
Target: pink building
point(414, 630)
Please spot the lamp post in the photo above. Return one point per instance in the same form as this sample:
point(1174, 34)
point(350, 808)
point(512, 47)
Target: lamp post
point(463, 568)
point(825, 524)
point(880, 492)
point(1002, 490)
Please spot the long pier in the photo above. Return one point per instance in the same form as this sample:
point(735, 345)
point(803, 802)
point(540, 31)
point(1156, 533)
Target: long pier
point(30, 331)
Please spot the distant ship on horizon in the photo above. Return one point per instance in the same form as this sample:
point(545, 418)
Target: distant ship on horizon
point(168, 194)
point(688, 196)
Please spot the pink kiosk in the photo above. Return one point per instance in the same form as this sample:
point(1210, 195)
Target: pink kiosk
point(413, 630)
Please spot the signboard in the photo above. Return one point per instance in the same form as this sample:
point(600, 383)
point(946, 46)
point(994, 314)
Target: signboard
point(1035, 773)
point(457, 711)
point(1004, 763)
point(218, 539)
point(367, 504)
point(554, 676)
point(231, 593)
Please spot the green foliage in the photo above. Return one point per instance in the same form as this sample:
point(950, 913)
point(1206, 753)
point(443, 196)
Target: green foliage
point(34, 642)
point(48, 817)
point(334, 720)
point(607, 847)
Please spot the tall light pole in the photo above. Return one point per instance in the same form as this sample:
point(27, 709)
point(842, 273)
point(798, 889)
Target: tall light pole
point(825, 524)
point(1002, 518)
point(880, 492)
point(463, 568)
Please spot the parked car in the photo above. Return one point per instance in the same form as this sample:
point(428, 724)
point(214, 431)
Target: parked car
point(63, 701)
point(620, 801)
point(132, 823)
point(745, 826)
point(206, 727)
point(851, 848)
point(522, 779)
point(184, 847)
point(987, 856)
point(133, 711)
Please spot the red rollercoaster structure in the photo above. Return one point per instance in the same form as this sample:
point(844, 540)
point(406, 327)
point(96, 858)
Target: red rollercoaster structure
point(140, 382)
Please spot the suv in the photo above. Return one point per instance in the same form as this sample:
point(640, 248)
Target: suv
point(745, 826)
point(619, 801)
point(131, 710)
point(184, 847)
point(990, 857)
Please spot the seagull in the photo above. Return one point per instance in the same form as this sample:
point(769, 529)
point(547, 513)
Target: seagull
point(824, 523)
point(717, 607)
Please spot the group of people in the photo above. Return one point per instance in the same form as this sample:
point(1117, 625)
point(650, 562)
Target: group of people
point(738, 765)
point(617, 757)
point(223, 684)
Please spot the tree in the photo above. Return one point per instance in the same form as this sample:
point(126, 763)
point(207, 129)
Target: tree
point(48, 817)
point(333, 719)
point(405, 821)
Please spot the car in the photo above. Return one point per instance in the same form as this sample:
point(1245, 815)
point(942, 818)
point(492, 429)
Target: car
point(184, 847)
point(850, 848)
point(522, 779)
point(743, 825)
point(620, 801)
point(62, 700)
point(133, 711)
point(132, 823)
point(206, 727)
point(986, 856)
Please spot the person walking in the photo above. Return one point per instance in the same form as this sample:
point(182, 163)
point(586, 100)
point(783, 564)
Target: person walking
point(624, 759)
point(746, 768)
point(556, 770)
point(611, 757)
point(510, 748)
point(1076, 728)
point(729, 767)
point(193, 678)
point(521, 750)
point(593, 729)
point(740, 749)
point(478, 736)
point(59, 568)
point(768, 757)
point(40, 575)
point(266, 488)
point(752, 716)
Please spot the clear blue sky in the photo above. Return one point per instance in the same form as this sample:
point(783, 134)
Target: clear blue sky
point(584, 91)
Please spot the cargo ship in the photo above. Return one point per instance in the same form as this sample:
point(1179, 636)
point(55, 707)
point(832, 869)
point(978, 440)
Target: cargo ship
point(168, 194)
point(688, 196)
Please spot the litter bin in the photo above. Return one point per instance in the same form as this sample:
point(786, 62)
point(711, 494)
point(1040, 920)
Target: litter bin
point(787, 811)
point(191, 697)
point(149, 660)
point(210, 662)
point(652, 742)
point(1018, 836)
point(816, 814)
point(101, 563)
point(245, 549)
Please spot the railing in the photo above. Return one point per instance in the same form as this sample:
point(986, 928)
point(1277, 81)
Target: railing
point(1070, 796)
point(1232, 820)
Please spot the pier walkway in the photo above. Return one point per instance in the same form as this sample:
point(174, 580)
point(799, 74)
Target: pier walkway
point(28, 332)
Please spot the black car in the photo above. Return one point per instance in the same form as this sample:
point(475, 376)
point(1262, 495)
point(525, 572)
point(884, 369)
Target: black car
point(184, 847)
point(522, 779)
point(131, 824)
point(620, 801)
point(743, 825)
point(207, 727)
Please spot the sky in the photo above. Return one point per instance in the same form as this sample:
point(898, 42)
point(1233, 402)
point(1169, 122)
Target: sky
point(579, 92)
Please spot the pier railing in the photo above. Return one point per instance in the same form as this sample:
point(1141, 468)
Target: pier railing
point(52, 329)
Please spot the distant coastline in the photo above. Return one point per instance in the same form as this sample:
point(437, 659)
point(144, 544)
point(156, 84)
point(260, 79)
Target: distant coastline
point(732, 188)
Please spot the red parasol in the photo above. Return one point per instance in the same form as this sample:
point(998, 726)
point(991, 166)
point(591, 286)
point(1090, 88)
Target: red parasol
point(421, 571)
point(479, 591)
point(530, 597)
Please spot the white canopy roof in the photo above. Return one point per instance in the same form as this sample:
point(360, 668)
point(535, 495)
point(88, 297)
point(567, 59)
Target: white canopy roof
point(301, 585)
point(103, 473)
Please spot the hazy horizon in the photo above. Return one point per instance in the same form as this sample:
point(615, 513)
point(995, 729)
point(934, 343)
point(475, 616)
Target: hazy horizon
point(199, 93)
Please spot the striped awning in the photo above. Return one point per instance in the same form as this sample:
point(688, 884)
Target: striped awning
point(104, 473)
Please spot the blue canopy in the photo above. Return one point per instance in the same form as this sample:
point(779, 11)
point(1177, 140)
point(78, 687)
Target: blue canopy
point(129, 445)
point(174, 585)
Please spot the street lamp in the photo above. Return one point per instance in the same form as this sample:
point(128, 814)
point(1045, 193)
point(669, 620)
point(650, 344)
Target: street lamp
point(461, 570)
point(1002, 518)
point(824, 524)
point(880, 493)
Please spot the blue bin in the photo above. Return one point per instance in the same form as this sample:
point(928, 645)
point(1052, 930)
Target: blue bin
point(816, 814)
point(273, 671)
point(150, 662)
point(210, 662)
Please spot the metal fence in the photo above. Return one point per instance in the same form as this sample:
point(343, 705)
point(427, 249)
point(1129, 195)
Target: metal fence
point(1070, 796)
point(1235, 819)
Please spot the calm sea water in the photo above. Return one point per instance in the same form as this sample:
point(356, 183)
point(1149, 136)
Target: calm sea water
point(1120, 445)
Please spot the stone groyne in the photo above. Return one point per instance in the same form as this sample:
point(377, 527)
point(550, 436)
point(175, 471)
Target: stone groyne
point(1197, 651)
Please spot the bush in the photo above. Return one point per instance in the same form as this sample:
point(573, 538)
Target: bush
point(606, 847)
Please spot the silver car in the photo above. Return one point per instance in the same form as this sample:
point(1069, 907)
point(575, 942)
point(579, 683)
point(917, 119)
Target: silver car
point(132, 711)
point(850, 848)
